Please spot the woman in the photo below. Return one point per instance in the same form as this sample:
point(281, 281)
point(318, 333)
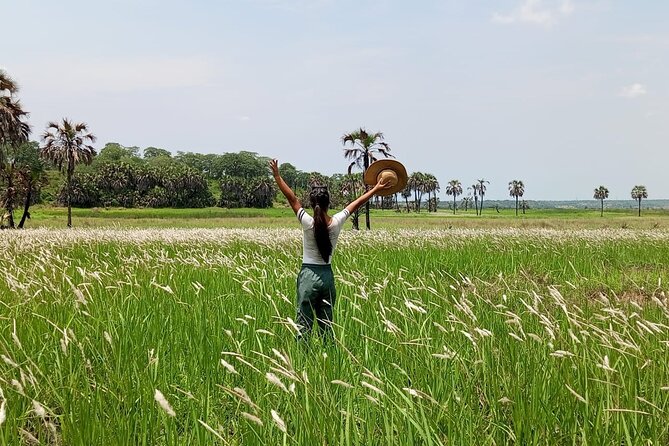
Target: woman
point(315, 283)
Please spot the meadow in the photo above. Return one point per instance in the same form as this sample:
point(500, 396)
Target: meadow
point(116, 336)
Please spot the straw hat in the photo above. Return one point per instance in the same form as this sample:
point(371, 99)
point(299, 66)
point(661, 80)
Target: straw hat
point(391, 169)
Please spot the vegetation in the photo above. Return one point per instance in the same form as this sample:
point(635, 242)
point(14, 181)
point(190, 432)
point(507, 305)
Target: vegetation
point(454, 188)
point(516, 190)
point(67, 144)
point(363, 149)
point(639, 193)
point(141, 337)
point(601, 194)
point(14, 133)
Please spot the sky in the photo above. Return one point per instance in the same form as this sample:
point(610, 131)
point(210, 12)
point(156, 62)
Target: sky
point(565, 95)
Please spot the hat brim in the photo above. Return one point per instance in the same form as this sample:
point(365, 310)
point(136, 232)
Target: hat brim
point(373, 171)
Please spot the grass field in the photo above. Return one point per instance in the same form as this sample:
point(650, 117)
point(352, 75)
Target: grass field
point(444, 336)
point(46, 216)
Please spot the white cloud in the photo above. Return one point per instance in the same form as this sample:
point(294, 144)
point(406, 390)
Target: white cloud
point(633, 91)
point(537, 12)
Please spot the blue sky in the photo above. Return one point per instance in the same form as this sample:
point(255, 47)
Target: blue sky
point(562, 94)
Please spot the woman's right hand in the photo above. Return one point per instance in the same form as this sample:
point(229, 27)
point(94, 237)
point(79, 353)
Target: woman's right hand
point(274, 165)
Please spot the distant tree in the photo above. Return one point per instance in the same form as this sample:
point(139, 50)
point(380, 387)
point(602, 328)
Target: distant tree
point(66, 145)
point(639, 193)
point(601, 194)
point(154, 152)
point(14, 132)
point(466, 202)
point(524, 205)
point(481, 191)
point(351, 186)
point(516, 189)
point(475, 192)
point(406, 193)
point(454, 188)
point(431, 186)
point(114, 152)
point(416, 184)
point(363, 148)
point(31, 176)
point(289, 174)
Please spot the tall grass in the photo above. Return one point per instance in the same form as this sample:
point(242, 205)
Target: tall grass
point(442, 337)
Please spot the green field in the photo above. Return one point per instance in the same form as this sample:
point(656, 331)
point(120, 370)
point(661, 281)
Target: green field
point(47, 216)
point(444, 336)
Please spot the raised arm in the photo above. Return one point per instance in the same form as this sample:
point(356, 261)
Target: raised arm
point(362, 199)
point(284, 188)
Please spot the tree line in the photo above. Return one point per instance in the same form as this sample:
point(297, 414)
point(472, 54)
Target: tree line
point(121, 176)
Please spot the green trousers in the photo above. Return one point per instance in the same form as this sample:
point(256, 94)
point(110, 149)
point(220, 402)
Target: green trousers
point(316, 296)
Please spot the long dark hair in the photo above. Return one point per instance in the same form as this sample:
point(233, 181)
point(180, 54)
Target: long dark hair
point(319, 198)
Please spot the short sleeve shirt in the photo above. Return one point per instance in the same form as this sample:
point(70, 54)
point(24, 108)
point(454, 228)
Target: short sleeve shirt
point(310, 253)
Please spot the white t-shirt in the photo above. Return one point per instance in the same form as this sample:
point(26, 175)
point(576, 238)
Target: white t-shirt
point(310, 252)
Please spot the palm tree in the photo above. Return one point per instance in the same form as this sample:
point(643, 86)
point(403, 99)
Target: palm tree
point(406, 193)
point(481, 190)
point(475, 192)
point(431, 186)
point(417, 185)
point(363, 149)
point(516, 189)
point(454, 188)
point(639, 192)
point(466, 201)
point(14, 131)
point(66, 145)
point(601, 193)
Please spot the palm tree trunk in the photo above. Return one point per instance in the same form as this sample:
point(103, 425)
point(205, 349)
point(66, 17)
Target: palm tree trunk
point(516, 205)
point(453, 204)
point(601, 214)
point(366, 160)
point(481, 210)
point(9, 204)
point(639, 206)
point(476, 204)
point(407, 201)
point(69, 194)
point(26, 206)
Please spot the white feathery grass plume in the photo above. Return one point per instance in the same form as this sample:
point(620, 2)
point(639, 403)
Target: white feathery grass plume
point(263, 331)
point(578, 397)
point(281, 356)
point(15, 337)
point(252, 418)
point(605, 365)
point(243, 396)
point(516, 337)
point(562, 354)
point(17, 385)
point(9, 361)
point(272, 378)
point(39, 409)
point(278, 421)
point(3, 407)
point(372, 399)
point(164, 404)
point(371, 376)
point(372, 388)
point(229, 367)
point(212, 430)
point(341, 383)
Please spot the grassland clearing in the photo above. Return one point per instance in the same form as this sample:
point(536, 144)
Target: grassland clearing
point(177, 336)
